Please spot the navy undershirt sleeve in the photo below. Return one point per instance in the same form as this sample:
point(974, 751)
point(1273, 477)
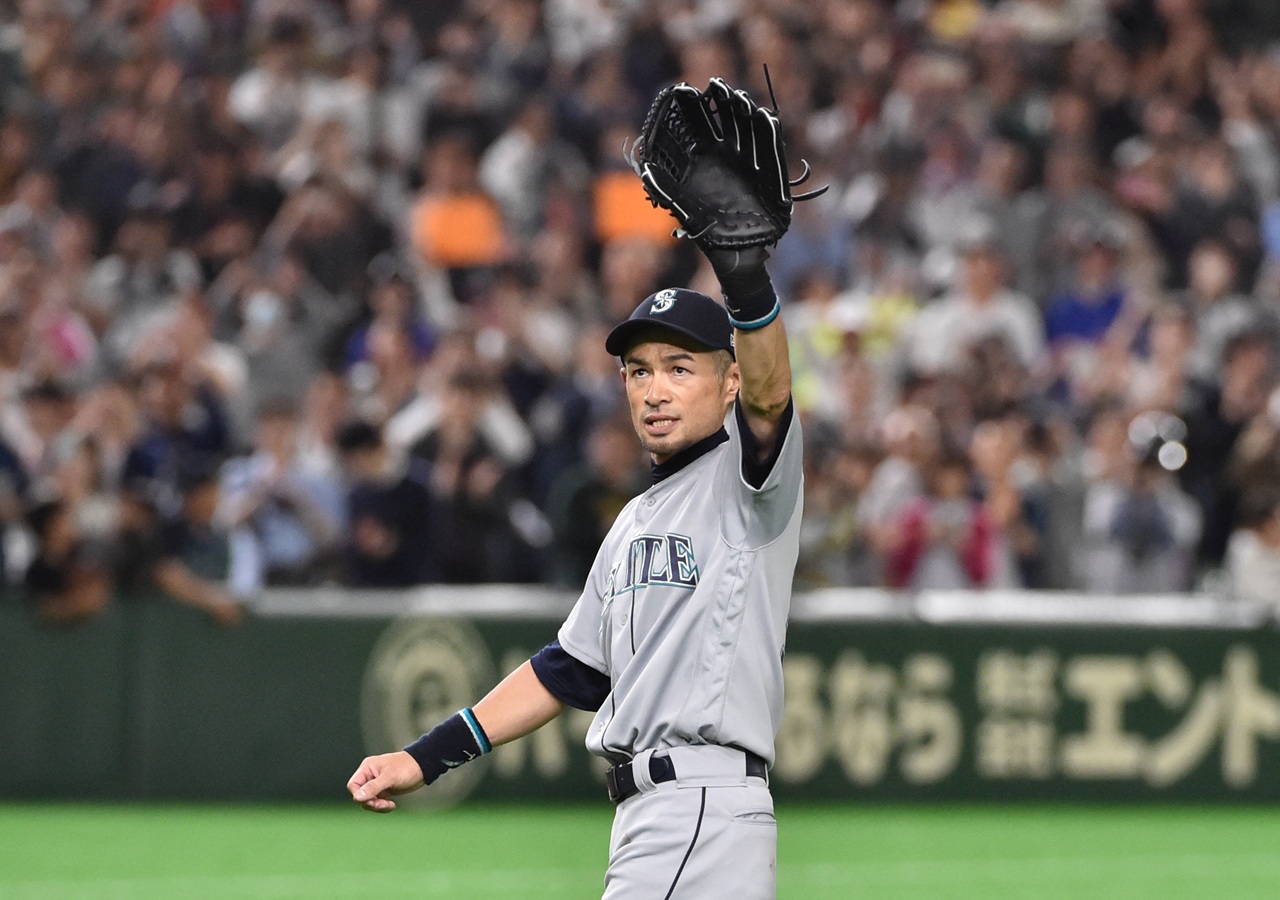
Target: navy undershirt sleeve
point(753, 469)
point(572, 681)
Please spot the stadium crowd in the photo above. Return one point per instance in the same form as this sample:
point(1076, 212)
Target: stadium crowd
point(300, 292)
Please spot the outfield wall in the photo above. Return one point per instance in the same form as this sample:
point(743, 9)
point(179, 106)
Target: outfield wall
point(940, 696)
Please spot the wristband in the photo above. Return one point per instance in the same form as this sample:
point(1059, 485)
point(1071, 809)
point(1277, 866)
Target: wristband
point(744, 282)
point(743, 315)
point(455, 741)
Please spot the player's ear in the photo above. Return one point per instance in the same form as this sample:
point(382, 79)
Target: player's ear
point(732, 382)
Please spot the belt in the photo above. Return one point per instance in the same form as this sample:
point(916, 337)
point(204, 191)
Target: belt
point(621, 779)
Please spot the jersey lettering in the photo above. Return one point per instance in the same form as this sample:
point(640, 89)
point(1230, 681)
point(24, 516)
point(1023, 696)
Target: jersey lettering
point(665, 559)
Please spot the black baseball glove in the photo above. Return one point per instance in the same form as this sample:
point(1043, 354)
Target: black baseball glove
point(717, 162)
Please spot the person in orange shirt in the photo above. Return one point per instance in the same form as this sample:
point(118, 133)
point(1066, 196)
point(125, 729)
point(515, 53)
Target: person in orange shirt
point(455, 224)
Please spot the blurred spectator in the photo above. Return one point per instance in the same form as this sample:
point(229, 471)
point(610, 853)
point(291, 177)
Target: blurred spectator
point(387, 384)
point(529, 164)
point(476, 531)
point(197, 561)
point(1052, 495)
point(35, 209)
point(981, 306)
point(1216, 414)
point(322, 150)
point(82, 484)
point(271, 97)
point(380, 119)
point(332, 235)
point(881, 297)
point(834, 546)
point(1015, 213)
point(817, 242)
point(144, 274)
point(324, 409)
point(287, 519)
point(816, 337)
point(67, 581)
point(13, 491)
point(1018, 511)
point(1220, 311)
point(1075, 206)
point(1212, 202)
point(1046, 218)
point(392, 303)
point(862, 393)
point(1253, 551)
point(629, 268)
point(587, 496)
point(38, 425)
point(1140, 528)
point(1080, 314)
point(184, 424)
point(390, 510)
point(945, 539)
point(620, 207)
point(579, 393)
point(912, 443)
point(456, 226)
point(187, 331)
point(281, 322)
point(1159, 380)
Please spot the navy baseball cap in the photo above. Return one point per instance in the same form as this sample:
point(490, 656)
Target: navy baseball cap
point(689, 313)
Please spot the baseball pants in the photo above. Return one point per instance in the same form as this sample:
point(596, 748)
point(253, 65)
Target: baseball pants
point(708, 834)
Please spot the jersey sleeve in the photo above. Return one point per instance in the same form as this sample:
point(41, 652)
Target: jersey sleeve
point(572, 681)
point(582, 635)
point(761, 497)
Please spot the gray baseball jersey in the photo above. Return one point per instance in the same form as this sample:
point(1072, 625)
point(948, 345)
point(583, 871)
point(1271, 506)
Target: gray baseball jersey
point(685, 608)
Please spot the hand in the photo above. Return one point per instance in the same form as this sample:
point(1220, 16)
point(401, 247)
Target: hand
point(380, 777)
point(227, 614)
point(1005, 504)
point(373, 539)
point(483, 479)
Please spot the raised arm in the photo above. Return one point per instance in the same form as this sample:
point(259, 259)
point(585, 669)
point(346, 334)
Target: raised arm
point(760, 340)
point(717, 161)
point(766, 380)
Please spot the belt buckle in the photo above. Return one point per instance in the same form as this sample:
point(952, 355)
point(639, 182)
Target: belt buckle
point(611, 783)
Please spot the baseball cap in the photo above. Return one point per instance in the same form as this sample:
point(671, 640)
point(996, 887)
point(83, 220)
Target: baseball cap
point(686, 312)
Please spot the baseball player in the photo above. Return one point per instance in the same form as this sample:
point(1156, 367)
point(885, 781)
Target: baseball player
point(676, 640)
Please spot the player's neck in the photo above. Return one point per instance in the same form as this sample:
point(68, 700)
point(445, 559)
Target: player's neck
point(677, 461)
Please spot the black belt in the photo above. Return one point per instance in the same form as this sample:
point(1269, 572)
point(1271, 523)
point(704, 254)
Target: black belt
point(621, 780)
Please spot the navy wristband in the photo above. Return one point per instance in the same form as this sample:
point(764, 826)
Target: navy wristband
point(747, 289)
point(750, 300)
point(756, 313)
point(455, 741)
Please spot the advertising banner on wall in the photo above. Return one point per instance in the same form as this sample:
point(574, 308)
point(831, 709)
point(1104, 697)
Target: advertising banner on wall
point(1007, 698)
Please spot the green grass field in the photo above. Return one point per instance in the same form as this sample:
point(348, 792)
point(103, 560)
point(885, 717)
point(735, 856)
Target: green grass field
point(86, 852)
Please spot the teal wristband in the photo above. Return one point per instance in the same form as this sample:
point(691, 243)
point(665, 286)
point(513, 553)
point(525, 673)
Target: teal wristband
point(749, 297)
point(757, 323)
point(455, 741)
point(482, 739)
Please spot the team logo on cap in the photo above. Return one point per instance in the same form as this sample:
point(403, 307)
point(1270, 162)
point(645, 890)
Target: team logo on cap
point(663, 301)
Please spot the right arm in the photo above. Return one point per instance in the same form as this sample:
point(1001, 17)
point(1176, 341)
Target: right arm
point(520, 704)
point(174, 578)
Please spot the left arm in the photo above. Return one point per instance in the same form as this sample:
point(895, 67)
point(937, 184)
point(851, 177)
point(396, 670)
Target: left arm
point(760, 341)
point(765, 366)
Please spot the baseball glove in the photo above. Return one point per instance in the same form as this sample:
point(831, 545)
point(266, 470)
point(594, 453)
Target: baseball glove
point(716, 161)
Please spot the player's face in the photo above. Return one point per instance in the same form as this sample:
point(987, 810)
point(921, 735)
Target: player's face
point(677, 396)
